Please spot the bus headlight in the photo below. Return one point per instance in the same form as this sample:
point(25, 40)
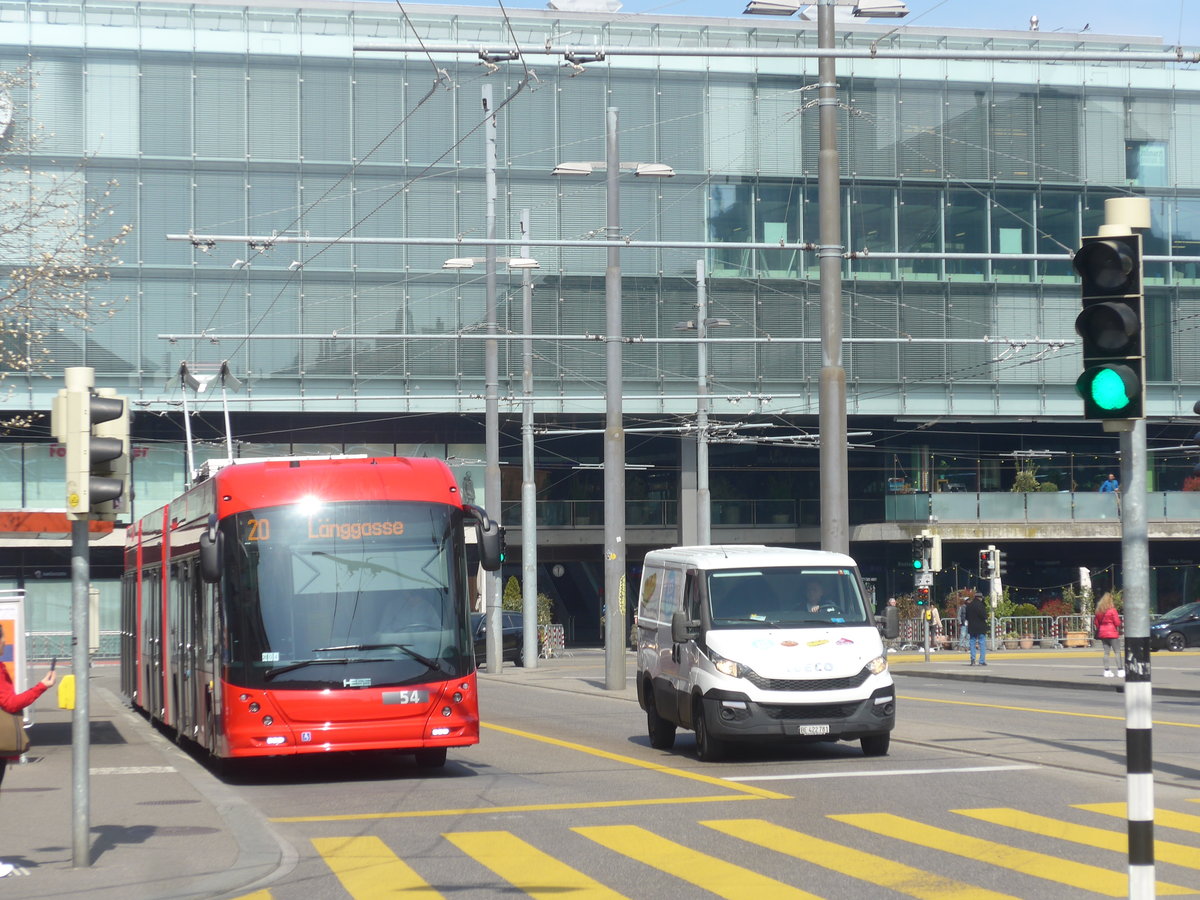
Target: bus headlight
point(878, 665)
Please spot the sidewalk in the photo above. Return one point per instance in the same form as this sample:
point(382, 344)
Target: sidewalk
point(161, 825)
point(1171, 674)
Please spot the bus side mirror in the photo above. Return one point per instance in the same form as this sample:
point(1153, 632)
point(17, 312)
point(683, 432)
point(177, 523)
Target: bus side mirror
point(212, 546)
point(490, 536)
point(891, 623)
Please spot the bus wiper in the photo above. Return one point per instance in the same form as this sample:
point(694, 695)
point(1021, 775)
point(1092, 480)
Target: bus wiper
point(279, 670)
point(419, 657)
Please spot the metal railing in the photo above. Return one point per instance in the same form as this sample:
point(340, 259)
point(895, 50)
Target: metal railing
point(1009, 633)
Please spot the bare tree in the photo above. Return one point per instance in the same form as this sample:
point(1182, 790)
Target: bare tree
point(50, 251)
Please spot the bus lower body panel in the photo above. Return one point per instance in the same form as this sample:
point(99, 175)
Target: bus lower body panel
point(278, 723)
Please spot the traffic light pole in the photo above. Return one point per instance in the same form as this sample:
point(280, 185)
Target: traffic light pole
point(80, 748)
point(1135, 565)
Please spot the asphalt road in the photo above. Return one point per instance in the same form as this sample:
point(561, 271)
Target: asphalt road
point(989, 790)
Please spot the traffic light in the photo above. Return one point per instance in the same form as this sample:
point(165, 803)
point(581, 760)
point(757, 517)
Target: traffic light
point(1113, 381)
point(922, 596)
point(94, 426)
point(987, 566)
point(922, 553)
point(503, 543)
point(1000, 558)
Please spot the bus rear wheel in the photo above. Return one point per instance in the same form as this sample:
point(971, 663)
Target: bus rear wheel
point(431, 758)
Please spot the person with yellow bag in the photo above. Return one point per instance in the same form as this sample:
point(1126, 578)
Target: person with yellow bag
point(13, 703)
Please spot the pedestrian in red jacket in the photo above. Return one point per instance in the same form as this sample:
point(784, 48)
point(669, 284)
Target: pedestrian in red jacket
point(11, 701)
point(1108, 629)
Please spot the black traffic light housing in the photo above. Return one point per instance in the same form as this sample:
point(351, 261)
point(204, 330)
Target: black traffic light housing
point(922, 596)
point(1110, 324)
point(922, 553)
point(987, 568)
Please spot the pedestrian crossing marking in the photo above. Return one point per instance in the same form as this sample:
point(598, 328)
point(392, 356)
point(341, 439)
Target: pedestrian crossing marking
point(1039, 865)
point(1118, 842)
point(369, 870)
point(858, 864)
point(1164, 817)
point(527, 868)
point(725, 879)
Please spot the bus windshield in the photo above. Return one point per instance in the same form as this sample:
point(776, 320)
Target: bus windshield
point(785, 596)
point(335, 595)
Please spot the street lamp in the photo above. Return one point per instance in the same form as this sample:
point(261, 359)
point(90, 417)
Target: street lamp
point(614, 434)
point(701, 326)
point(835, 494)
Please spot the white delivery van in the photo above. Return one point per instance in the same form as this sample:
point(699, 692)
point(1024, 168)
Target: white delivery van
point(754, 644)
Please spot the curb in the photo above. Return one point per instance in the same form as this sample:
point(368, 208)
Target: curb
point(1118, 687)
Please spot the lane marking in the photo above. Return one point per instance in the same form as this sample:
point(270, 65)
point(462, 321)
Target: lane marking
point(369, 870)
point(857, 864)
point(1038, 865)
point(1116, 841)
point(638, 763)
point(527, 868)
point(532, 807)
point(948, 771)
point(132, 770)
point(1167, 818)
point(1048, 712)
point(725, 879)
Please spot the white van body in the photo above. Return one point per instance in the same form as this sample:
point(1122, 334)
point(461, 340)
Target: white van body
point(735, 643)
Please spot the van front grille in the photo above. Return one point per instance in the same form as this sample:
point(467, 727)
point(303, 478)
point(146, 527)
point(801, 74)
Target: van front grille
point(804, 684)
point(831, 711)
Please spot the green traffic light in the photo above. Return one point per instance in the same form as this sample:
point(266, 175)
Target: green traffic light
point(918, 564)
point(1109, 388)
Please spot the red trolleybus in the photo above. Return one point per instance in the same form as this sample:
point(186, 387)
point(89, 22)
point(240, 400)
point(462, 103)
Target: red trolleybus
point(305, 606)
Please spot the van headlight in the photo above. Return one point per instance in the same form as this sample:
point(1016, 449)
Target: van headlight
point(878, 665)
point(728, 666)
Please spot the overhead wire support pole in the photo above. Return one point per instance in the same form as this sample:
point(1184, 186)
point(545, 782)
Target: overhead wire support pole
point(529, 592)
point(614, 435)
point(835, 502)
point(491, 388)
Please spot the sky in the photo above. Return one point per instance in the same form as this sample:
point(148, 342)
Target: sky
point(1166, 19)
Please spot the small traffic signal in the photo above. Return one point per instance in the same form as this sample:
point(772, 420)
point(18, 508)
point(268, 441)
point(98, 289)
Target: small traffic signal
point(922, 596)
point(920, 560)
point(1000, 558)
point(1112, 384)
point(94, 426)
point(987, 566)
point(503, 543)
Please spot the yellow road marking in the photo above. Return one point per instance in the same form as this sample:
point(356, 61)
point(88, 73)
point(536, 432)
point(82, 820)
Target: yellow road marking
point(368, 870)
point(639, 763)
point(1030, 709)
point(1164, 817)
point(866, 867)
point(257, 895)
point(532, 807)
point(1118, 842)
point(527, 868)
point(1039, 865)
point(714, 875)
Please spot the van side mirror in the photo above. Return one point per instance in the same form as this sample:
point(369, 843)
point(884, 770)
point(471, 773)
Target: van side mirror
point(683, 629)
point(891, 623)
point(212, 551)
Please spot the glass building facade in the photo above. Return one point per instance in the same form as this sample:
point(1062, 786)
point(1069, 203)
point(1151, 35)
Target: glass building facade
point(263, 120)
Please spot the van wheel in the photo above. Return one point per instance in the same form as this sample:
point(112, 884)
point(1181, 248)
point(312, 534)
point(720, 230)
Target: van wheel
point(876, 744)
point(662, 732)
point(708, 748)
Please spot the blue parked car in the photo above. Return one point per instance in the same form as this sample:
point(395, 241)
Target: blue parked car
point(1176, 629)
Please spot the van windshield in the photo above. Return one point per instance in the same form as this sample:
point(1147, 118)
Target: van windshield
point(785, 597)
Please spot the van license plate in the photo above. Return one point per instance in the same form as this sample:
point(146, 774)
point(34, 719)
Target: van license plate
point(814, 729)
